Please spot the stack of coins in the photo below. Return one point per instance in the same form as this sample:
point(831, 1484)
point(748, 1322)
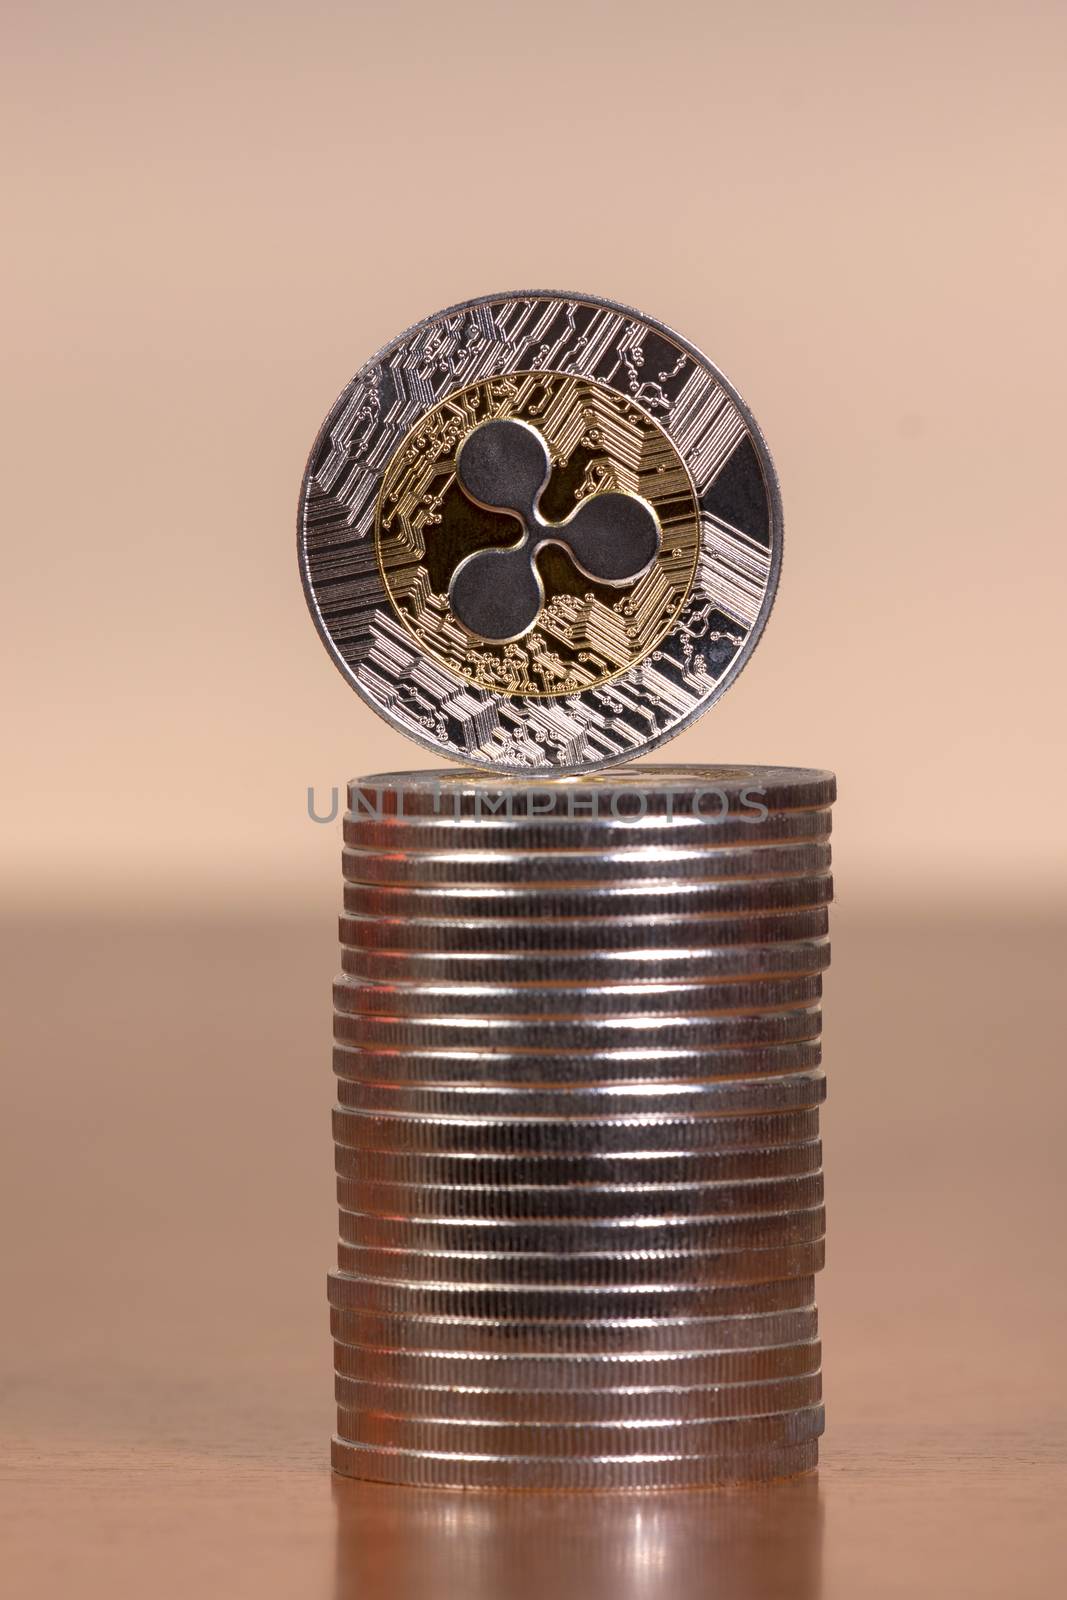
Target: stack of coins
point(578, 1159)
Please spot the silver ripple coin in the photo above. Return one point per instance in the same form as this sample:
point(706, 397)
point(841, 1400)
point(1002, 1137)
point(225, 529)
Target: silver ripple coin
point(674, 1469)
point(583, 1374)
point(575, 1330)
point(642, 1404)
point(540, 531)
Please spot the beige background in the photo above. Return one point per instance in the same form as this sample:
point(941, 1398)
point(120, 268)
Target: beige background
point(217, 213)
point(214, 213)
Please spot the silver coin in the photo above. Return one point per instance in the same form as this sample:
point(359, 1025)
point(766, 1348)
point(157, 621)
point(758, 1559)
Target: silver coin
point(591, 1067)
point(609, 1269)
point(651, 932)
point(740, 897)
point(557, 833)
point(630, 1405)
point(670, 1435)
point(567, 869)
point(584, 1374)
point(464, 1470)
point(798, 1091)
point(574, 1202)
point(598, 1166)
point(553, 1137)
point(578, 1033)
point(359, 997)
point(518, 1303)
point(576, 970)
point(629, 793)
point(581, 1328)
point(491, 1237)
point(622, 614)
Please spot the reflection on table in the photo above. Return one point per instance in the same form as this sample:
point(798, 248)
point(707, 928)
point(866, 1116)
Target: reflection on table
point(758, 1543)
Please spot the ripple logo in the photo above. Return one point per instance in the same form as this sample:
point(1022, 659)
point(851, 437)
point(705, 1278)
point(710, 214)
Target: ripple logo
point(497, 594)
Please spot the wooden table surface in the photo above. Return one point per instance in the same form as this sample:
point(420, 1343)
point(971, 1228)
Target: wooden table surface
point(167, 1198)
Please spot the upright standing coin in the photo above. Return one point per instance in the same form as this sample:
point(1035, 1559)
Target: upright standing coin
point(540, 531)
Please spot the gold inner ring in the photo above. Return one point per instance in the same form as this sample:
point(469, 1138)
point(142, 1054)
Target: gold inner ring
point(587, 633)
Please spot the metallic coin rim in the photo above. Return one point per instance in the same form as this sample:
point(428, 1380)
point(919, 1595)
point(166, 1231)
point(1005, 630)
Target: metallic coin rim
point(583, 1373)
point(551, 1137)
point(585, 934)
point(588, 1333)
point(525, 969)
point(670, 897)
point(584, 835)
point(620, 1270)
point(718, 1303)
point(781, 1026)
point(553, 870)
point(590, 1068)
point(670, 1435)
point(368, 997)
point(799, 1091)
point(444, 1470)
point(794, 1091)
point(492, 1238)
point(568, 1202)
point(782, 789)
point(636, 1403)
point(596, 1166)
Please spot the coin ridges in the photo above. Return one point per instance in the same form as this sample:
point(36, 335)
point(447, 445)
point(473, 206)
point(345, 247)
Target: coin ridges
point(491, 1237)
point(738, 897)
point(625, 1405)
point(672, 1433)
point(573, 970)
point(554, 1136)
point(566, 1325)
point(575, 1201)
point(751, 1304)
point(573, 869)
point(469, 1470)
point(624, 793)
point(402, 1001)
point(593, 1165)
point(492, 828)
point(592, 1373)
point(794, 1092)
point(582, 934)
point(624, 1064)
point(579, 1072)
point(640, 1269)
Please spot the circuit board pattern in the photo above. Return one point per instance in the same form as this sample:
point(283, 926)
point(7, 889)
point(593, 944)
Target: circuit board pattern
point(586, 633)
point(549, 726)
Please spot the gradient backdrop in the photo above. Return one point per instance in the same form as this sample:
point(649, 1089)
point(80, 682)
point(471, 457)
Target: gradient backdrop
point(214, 214)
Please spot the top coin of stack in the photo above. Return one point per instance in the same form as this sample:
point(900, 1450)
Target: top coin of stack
point(578, 1061)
